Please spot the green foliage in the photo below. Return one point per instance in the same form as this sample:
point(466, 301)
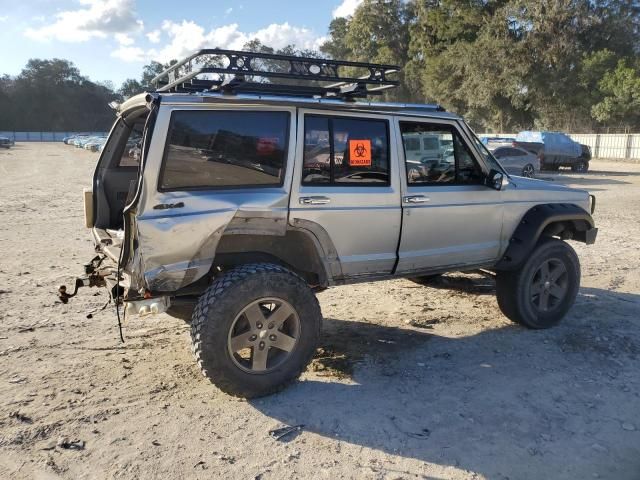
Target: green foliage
point(504, 64)
point(131, 86)
point(621, 102)
point(52, 95)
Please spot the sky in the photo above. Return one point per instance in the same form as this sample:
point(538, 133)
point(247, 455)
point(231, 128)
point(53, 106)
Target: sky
point(111, 40)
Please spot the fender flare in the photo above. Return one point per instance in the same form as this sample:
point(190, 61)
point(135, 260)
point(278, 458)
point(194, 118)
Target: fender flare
point(566, 220)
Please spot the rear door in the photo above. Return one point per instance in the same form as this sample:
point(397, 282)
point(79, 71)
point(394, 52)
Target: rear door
point(346, 183)
point(450, 218)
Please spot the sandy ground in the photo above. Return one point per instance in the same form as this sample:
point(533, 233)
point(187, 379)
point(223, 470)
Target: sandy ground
point(410, 382)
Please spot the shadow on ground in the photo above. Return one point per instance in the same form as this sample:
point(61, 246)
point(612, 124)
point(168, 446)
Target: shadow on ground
point(504, 403)
point(584, 180)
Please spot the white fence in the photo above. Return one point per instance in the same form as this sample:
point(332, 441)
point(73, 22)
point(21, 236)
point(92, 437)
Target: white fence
point(603, 145)
point(42, 136)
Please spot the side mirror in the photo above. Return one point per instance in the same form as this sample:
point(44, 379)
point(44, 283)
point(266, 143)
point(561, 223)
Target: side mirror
point(494, 180)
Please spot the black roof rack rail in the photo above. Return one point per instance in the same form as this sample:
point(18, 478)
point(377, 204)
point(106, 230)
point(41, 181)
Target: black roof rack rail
point(308, 76)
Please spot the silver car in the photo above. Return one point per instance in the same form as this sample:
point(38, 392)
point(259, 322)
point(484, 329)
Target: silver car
point(248, 197)
point(518, 161)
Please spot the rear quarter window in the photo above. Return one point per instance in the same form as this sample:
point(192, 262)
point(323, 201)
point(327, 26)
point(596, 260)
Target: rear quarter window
point(224, 149)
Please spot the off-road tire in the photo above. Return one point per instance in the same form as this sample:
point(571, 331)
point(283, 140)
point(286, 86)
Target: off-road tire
point(426, 279)
point(224, 300)
point(581, 166)
point(513, 287)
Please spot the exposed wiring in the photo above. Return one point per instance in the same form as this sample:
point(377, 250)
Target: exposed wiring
point(118, 295)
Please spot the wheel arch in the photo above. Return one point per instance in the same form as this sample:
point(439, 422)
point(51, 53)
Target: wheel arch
point(566, 221)
point(298, 250)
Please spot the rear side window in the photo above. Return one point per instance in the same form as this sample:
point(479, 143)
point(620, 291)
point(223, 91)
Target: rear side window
point(225, 149)
point(345, 151)
point(508, 152)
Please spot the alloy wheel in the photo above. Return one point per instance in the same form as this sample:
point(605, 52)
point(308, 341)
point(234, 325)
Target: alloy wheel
point(263, 335)
point(528, 171)
point(549, 285)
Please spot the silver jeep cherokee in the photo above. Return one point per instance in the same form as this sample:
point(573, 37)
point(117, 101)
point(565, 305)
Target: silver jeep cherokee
point(248, 196)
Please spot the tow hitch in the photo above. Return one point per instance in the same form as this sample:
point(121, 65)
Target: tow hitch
point(92, 278)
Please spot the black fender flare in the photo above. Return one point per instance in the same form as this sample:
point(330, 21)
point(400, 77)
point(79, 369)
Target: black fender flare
point(567, 220)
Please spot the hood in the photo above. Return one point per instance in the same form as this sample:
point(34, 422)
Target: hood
point(542, 191)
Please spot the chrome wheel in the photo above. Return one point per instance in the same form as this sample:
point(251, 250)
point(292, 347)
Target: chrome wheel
point(263, 335)
point(528, 171)
point(549, 285)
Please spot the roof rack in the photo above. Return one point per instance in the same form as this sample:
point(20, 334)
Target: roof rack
point(296, 76)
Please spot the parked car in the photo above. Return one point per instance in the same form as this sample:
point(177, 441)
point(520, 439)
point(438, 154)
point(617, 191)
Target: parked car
point(95, 143)
point(249, 199)
point(70, 140)
point(555, 150)
point(518, 161)
point(6, 142)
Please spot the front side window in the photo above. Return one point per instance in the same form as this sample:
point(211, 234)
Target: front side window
point(443, 157)
point(342, 151)
point(225, 149)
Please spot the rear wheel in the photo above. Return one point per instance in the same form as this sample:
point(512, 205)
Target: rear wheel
point(540, 293)
point(581, 166)
point(255, 329)
point(528, 171)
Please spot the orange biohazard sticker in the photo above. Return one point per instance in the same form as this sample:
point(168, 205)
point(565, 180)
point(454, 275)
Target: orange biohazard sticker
point(360, 153)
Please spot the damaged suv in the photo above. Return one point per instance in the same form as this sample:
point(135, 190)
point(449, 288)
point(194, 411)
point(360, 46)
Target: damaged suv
point(249, 196)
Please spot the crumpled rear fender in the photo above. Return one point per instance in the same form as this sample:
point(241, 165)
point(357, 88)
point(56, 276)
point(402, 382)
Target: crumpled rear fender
point(178, 250)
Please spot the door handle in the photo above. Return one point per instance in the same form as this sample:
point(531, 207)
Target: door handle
point(416, 199)
point(165, 206)
point(314, 200)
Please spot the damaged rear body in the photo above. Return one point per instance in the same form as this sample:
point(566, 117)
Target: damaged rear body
point(163, 215)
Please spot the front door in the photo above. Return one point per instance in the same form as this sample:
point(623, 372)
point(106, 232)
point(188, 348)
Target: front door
point(349, 187)
point(450, 218)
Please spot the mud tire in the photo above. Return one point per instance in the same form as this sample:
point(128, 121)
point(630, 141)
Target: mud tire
point(220, 304)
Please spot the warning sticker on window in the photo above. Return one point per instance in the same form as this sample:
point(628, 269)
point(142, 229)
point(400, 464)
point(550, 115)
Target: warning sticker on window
point(360, 153)
point(266, 145)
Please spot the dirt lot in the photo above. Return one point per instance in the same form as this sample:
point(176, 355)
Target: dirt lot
point(410, 382)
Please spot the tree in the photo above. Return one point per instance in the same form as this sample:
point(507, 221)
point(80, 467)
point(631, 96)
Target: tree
point(378, 33)
point(131, 86)
point(336, 46)
point(621, 92)
point(53, 95)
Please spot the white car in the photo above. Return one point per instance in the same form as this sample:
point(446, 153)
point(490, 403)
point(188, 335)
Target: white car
point(518, 161)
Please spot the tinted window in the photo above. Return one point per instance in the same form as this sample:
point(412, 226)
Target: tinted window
point(133, 148)
point(220, 149)
point(317, 151)
point(341, 151)
point(508, 152)
point(446, 160)
point(501, 152)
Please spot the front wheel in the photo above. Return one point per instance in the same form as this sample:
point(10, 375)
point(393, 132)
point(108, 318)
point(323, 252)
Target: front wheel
point(255, 329)
point(528, 171)
point(540, 293)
